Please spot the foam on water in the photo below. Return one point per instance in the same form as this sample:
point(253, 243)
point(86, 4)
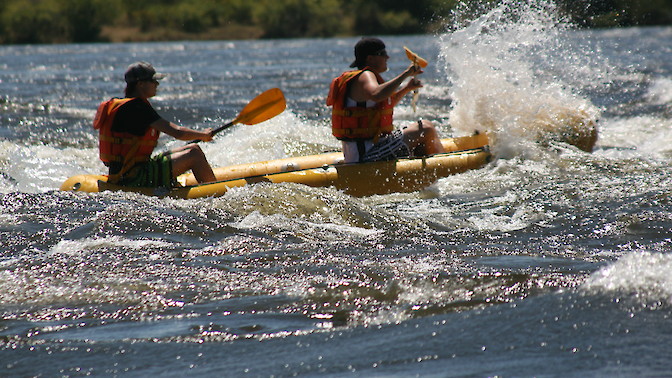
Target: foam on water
point(83, 246)
point(660, 91)
point(643, 135)
point(310, 230)
point(283, 136)
point(642, 277)
point(35, 169)
point(312, 213)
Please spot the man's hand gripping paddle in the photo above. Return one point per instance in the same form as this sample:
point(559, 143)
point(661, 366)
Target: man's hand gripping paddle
point(418, 61)
point(264, 107)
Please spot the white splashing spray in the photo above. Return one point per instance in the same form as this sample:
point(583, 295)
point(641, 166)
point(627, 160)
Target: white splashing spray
point(511, 70)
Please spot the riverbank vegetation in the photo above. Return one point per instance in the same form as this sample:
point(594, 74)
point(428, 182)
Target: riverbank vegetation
point(64, 21)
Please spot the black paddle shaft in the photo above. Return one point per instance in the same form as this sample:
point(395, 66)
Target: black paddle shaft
point(217, 130)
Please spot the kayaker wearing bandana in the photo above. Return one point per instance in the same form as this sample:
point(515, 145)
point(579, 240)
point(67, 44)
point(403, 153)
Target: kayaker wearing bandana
point(129, 129)
point(363, 104)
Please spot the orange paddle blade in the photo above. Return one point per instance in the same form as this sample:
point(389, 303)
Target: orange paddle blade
point(264, 107)
point(415, 58)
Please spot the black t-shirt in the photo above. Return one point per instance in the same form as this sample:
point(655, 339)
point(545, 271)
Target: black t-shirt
point(135, 117)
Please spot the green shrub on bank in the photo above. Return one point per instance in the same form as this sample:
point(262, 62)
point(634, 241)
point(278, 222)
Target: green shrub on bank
point(300, 18)
point(50, 21)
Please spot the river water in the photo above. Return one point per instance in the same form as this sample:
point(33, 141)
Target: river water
point(549, 261)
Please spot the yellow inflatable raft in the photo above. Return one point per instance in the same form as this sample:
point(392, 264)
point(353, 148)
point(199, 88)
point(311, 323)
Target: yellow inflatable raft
point(358, 179)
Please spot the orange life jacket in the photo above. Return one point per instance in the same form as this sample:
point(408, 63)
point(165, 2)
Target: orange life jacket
point(357, 122)
point(121, 147)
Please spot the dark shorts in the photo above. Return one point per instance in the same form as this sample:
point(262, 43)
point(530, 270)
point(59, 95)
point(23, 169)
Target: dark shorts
point(157, 172)
point(389, 147)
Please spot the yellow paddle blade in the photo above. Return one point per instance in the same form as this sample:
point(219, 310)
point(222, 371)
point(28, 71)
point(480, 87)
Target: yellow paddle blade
point(265, 106)
point(413, 57)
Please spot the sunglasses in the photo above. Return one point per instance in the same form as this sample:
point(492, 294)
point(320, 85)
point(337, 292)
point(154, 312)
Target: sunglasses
point(382, 52)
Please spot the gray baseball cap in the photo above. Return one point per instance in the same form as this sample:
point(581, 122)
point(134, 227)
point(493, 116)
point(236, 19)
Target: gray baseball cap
point(141, 71)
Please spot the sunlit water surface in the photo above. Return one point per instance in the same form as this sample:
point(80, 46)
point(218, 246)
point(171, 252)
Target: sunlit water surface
point(547, 261)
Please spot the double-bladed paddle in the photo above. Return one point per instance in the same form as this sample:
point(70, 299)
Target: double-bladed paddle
point(264, 107)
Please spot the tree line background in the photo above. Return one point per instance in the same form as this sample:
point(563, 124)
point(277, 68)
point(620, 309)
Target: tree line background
point(64, 21)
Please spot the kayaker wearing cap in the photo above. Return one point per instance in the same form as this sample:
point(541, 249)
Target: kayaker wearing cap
point(129, 130)
point(363, 104)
